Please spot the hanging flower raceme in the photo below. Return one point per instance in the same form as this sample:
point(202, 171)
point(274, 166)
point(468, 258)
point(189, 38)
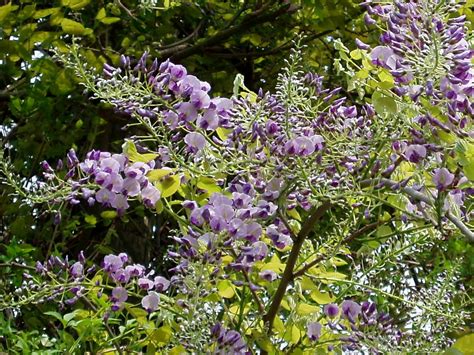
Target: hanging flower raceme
point(426, 49)
point(125, 281)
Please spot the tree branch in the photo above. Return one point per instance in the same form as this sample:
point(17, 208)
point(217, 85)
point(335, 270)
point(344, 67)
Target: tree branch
point(416, 195)
point(257, 17)
point(350, 237)
point(287, 276)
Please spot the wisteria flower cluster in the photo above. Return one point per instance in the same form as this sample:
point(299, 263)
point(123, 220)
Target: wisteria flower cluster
point(355, 322)
point(427, 51)
point(109, 179)
point(75, 281)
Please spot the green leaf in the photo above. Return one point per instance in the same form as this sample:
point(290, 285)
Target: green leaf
point(384, 104)
point(109, 20)
point(6, 9)
point(44, 12)
point(162, 335)
point(101, 14)
point(208, 184)
point(75, 4)
point(383, 231)
point(111, 214)
point(130, 150)
point(465, 344)
point(63, 82)
point(465, 152)
point(157, 174)
point(91, 219)
point(57, 316)
point(168, 185)
point(72, 27)
point(321, 297)
point(225, 289)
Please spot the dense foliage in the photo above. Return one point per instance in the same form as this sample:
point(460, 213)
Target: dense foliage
point(327, 211)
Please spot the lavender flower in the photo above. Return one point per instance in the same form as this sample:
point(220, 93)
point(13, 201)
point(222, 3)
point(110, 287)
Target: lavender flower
point(314, 331)
point(442, 178)
point(151, 301)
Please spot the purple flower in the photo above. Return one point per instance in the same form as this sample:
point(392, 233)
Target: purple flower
point(119, 295)
point(331, 310)
point(151, 301)
point(442, 178)
point(200, 99)
point(135, 270)
point(121, 275)
point(268, 275)
point(77, 270)
point(131, 187)
point(415, 153)
point(105, 196)
point(314, 331)
point(209, 120)
point(361, 44)
point(195, 141)
point(383, 56)
point(350, 310)
point(110, 165)
point(187, 111)
point(161, 284)
point(112, 263)
point(150, 196)
point(145, 283)
point(120, 203)
point(177, 71)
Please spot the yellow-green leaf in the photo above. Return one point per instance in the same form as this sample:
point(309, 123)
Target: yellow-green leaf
point(305, 309)
point(321, 297)
point(157, 174)
point(465, 344)
point(168, 185)
point(109, 20)
point(72, 27)
point(108, 214)
point(101, 14)
point(307, 284)
point(45, 12)
point(274, 264)
point(208, 184)
point(130, 150)
point(356, 54)
point(6, 9)
point(178, 350)
point(225, 289)
point(294, 213)
point(91, 219)
point(292, 335)
point(223, 133)
point(162, 335)
point(75, 4)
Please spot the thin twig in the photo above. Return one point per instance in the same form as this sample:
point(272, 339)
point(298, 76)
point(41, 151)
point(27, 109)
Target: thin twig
point(416, 195)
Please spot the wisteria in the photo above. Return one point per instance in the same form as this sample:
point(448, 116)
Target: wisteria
point(281, 207)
